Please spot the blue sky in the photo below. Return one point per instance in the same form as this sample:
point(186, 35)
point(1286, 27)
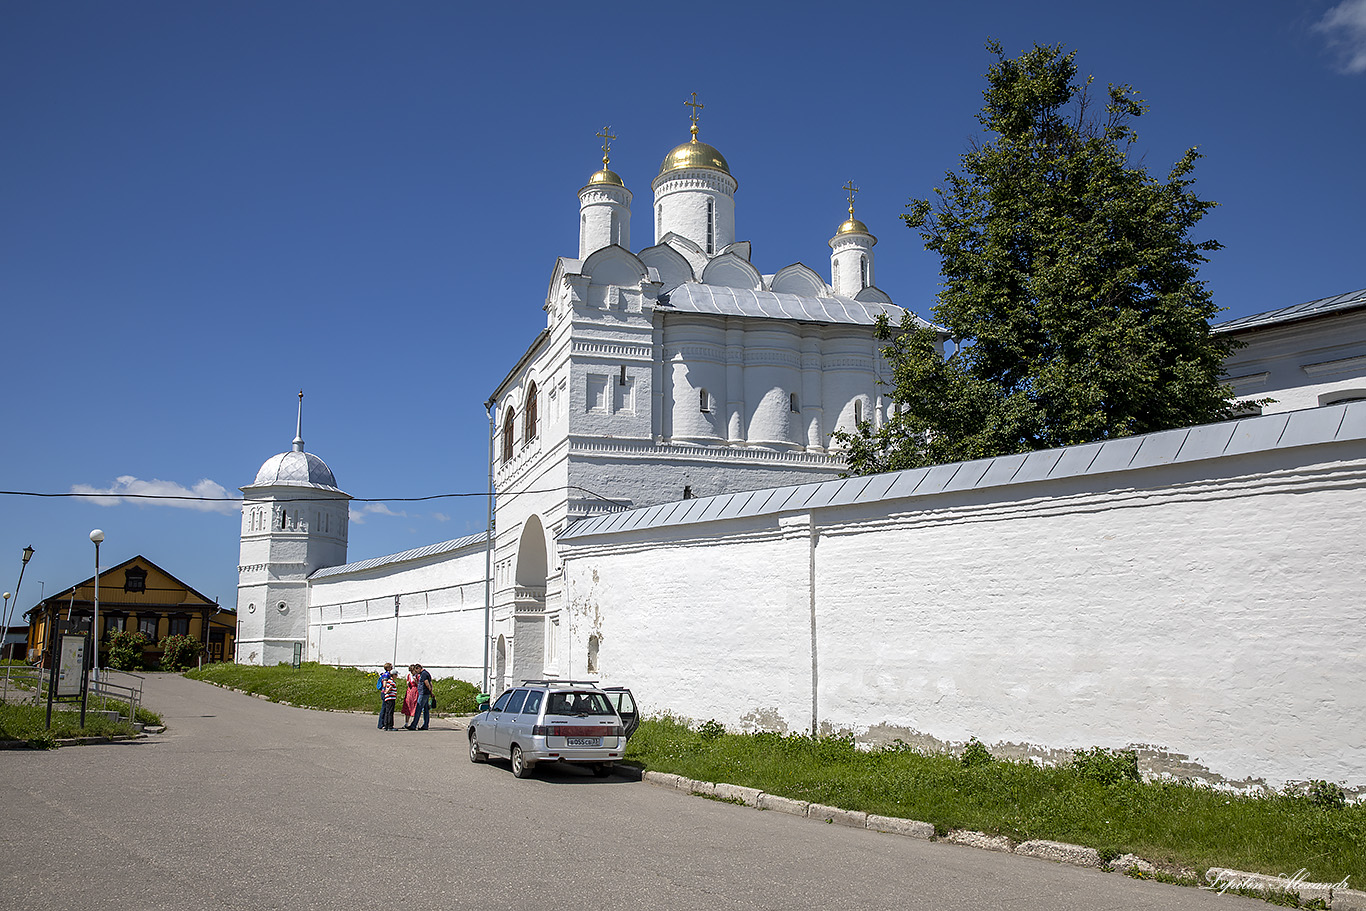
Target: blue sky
point(205, 207)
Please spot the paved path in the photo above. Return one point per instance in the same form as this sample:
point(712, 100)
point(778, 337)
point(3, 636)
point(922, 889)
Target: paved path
point(247, 804)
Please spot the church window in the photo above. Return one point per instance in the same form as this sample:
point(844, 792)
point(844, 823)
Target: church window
point(863, 271)
point(284, 518)
point(509, 424)
point(553, 640)
point(621, 380)
point(704, 401)
point(529, 416)
point(711, 226)
point(1342, 397)
point(659, 221)
point(792, 403)
point(858, 411)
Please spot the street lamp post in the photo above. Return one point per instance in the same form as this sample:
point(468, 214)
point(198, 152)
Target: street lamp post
point(5, 635)
point(96, 537)
point(28, 555)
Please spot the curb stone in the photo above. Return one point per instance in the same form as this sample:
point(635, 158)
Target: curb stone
point(1348, 899)
point(662, 779)
point(1126, 862)
point(909, 827)
point(782, 804)
point(855, 819)
point(979, 840)
point(747, 796)
point(1060, 852)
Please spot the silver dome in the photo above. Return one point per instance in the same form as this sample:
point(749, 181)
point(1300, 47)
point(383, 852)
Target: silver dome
point(297, 469)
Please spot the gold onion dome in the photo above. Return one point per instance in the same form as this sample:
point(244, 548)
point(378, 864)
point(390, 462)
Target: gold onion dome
point(606, 176)
point(853, 226)
point(694, 154)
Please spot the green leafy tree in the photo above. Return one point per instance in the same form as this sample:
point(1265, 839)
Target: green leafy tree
point(1069, 286)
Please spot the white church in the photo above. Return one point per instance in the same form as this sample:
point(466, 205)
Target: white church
point(670, 514)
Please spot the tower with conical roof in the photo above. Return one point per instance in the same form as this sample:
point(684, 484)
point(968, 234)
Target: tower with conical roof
point(604, 207)
point(294, 521)
point(851, 253)
point(695, 193)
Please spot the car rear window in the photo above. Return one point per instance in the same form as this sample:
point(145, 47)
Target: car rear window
point(533, 702)
point(578, 704)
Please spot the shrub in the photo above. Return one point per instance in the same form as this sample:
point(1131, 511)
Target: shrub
point(975, 753)
point(179, 653)
point(711, 730)
point(125, 650)
point(1106, 766)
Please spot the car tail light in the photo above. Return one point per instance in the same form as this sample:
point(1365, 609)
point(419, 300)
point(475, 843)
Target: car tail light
point(565, 730)
point(540, 730)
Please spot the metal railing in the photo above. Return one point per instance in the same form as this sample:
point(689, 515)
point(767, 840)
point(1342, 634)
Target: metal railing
point(123, 697)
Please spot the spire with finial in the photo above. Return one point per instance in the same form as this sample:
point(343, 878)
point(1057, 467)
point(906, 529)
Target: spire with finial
point(696, 106)
point(849, 185)
point(299, 426)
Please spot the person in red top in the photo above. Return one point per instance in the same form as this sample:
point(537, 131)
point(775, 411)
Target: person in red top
point(410, 698)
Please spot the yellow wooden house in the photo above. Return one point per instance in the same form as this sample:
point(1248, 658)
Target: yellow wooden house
point(137, 595)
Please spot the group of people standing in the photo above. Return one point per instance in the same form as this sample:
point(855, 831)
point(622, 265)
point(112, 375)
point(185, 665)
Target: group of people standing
point(417, 698)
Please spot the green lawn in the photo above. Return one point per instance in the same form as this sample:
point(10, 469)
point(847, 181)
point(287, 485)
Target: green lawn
point(1166, 822)
point(326, 687)
point(28, 722)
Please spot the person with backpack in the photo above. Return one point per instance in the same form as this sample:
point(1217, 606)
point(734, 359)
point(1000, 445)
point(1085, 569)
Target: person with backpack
point(390, 693)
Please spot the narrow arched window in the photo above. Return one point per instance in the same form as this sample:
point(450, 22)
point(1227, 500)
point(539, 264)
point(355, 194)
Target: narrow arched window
point(529, 416)
point(863, 271)
point(792, 402)
point(858, 411)
point(703, 400)
point(509, 423)
point(711, 226)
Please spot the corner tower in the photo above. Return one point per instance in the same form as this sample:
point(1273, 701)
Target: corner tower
point(604, 207)
point(294, 521)
point(695, 194)
point(851, 253)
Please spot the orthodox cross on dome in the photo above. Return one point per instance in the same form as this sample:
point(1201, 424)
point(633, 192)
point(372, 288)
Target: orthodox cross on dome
point(299, 427)
point(605, 134)
point(849, 185)
point(696, 106)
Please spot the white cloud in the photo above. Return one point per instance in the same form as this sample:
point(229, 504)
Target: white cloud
point(358, 513)
point(1345, 28)
point(441, 517)
point(129, 489)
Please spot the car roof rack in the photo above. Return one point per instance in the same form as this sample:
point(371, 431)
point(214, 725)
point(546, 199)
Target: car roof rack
point(557, 682)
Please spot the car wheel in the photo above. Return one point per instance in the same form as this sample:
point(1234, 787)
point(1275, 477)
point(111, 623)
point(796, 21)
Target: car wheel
point(519, 764)
point(476, 754)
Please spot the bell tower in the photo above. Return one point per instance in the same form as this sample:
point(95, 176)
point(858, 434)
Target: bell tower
point(604, 207)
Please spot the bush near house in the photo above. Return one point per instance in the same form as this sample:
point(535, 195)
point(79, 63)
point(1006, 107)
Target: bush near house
point(125, 650)
point(1098, 800)
point(179, 652)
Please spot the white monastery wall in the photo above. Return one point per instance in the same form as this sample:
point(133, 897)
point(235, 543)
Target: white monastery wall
point(1207, 612)
point(429, 611)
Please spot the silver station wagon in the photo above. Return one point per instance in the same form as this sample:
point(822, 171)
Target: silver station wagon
point(556, 721)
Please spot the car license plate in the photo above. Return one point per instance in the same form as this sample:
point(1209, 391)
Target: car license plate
point(583, 741)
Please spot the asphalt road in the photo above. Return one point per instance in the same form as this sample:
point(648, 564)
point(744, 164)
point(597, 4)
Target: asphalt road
point(247, 804)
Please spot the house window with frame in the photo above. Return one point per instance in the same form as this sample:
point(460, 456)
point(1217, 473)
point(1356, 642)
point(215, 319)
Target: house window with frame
point(147, 625)
point(509, 426)
point(113, 623)
point(135, 579)
point(180, 626)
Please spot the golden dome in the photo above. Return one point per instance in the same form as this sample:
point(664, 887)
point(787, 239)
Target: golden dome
point(694, 154)
point(606, 176)
point(853, 226)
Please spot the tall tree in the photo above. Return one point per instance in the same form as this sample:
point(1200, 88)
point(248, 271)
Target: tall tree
point(1069, 286)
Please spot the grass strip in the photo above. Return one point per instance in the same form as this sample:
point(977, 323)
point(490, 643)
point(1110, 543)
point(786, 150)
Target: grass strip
point(1180, 824)
point(322, 686)
point(28, 723)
